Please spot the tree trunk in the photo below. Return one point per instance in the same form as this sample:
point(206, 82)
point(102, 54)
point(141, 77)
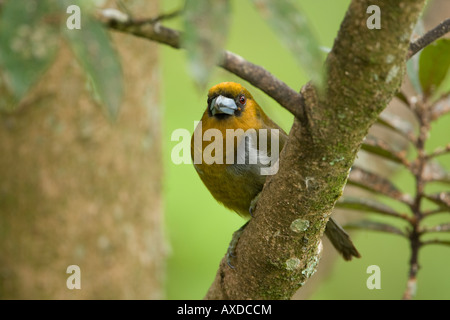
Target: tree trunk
point(78, 189)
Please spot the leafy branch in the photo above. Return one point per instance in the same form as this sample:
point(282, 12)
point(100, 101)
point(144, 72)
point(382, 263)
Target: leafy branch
point(424, 167)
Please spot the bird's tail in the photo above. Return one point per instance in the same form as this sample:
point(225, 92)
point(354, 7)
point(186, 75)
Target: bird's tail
point(341, 240)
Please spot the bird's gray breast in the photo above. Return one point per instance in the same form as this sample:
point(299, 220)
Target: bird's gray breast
point(249, 159)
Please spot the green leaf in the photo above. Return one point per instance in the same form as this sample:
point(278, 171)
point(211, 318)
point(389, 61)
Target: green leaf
point(444, 88)
point(434, 64)
point(295, 32)
point(442, 107)
point(380, 148)
point(442, 199)
point(433, 171)
point(444, 227)
point(397, 124)
point(92, 46)
point(206, 26)
point(28, 42)
point(368, 205)
point(375, 226)
point(375, 183)
point(436, 241)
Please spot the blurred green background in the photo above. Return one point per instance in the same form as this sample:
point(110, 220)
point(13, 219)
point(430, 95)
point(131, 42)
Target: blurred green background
point(199, 229)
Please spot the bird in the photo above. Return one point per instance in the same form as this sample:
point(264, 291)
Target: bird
point(226, 168)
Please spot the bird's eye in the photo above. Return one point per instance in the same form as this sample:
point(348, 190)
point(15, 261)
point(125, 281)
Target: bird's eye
point(242, 99)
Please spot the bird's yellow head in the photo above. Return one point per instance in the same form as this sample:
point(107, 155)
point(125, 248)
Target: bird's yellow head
point(230, 105)
point(228, 99)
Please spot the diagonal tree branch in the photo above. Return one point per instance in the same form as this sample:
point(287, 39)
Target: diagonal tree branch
point(376, 226)
point(288, 98)
point(431, 36)
point(375, 183)
point(256, 75)
point(367, 205)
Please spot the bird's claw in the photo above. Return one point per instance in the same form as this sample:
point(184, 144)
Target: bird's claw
point(230, 255)
point(253, 204)
point(233, 243)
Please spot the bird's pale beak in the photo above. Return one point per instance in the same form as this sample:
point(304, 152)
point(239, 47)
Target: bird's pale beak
point(223, 105)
